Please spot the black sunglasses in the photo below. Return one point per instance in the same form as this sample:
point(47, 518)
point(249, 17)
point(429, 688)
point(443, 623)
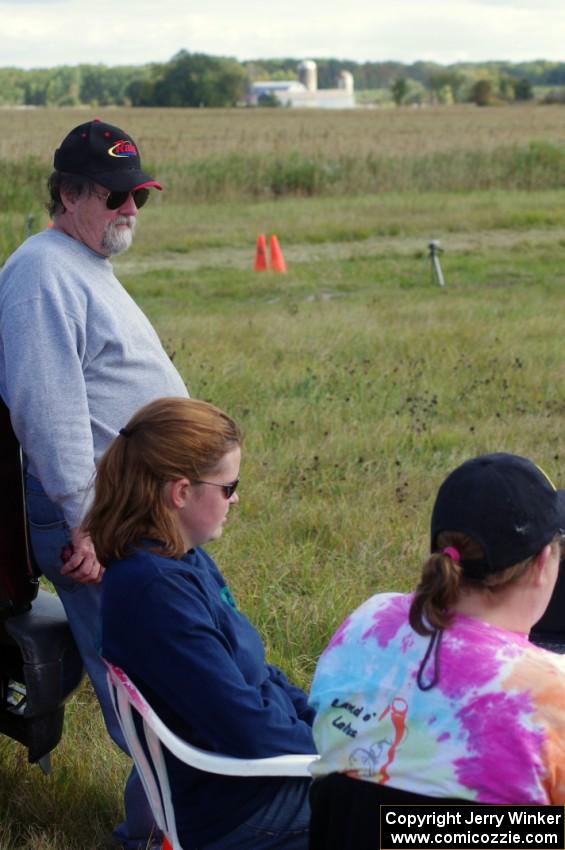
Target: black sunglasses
point(114, 200)
point(228, 489)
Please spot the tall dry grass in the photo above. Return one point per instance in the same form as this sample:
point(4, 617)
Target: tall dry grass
point(184, 135)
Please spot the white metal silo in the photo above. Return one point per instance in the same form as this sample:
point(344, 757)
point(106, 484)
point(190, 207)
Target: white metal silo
point(345, 81)
point(308, 74)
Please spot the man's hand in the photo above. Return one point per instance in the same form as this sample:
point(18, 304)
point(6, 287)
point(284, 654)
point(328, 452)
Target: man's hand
point(82, 565)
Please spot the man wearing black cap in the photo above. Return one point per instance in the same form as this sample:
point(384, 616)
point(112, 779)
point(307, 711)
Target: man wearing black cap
point(78, 358)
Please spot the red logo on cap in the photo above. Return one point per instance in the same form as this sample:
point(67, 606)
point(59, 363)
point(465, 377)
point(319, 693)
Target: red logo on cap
point(123, 148)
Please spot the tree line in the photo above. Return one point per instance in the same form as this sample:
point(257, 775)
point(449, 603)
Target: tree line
point(198, 79)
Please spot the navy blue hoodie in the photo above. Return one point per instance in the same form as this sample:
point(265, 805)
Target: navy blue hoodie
point(174, 628)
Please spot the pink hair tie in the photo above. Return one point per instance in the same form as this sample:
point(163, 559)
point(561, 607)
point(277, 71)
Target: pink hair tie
point(452, 552)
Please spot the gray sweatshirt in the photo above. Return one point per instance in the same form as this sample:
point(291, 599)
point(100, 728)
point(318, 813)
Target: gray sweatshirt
point(77, 359)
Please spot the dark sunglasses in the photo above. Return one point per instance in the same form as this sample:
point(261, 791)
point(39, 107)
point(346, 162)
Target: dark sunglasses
point(114, 200)
point(228, 489)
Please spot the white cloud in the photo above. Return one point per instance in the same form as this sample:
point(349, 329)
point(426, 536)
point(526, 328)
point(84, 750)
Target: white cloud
point(33, 2)
point(50, 32)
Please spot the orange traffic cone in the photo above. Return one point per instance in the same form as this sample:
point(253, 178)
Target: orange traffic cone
point(260, 264)
point(277, 260)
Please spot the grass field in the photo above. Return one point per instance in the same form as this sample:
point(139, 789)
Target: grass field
point(359, 383)
point(214, 156)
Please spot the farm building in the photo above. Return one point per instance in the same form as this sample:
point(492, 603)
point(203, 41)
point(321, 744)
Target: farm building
point(304, 92)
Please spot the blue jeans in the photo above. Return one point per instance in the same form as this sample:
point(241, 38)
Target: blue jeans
point(282, 824)
point(48, 534)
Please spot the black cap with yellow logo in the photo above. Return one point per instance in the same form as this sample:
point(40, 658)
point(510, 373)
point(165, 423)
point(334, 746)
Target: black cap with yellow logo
point(106, 154)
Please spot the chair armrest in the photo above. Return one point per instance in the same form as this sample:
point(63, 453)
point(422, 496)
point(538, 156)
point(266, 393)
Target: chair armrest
point(284, 765)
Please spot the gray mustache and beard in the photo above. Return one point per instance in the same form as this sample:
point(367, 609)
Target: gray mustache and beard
point(115, 239)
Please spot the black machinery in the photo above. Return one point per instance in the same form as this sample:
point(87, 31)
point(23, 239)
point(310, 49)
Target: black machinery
point(40, 665)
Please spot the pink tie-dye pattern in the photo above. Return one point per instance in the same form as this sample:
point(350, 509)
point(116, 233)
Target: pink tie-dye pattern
point(388, 621)
point(502, 765)
point(466, 663)
point(495, 743)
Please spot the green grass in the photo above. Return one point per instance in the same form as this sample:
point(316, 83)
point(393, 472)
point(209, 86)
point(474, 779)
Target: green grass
point(359, 385)
point(230, 177)
point(391, 221)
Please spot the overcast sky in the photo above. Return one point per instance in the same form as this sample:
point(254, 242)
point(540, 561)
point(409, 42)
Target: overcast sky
point(42, 33)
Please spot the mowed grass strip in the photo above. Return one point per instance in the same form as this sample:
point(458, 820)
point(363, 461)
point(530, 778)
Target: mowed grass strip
point(174, 232)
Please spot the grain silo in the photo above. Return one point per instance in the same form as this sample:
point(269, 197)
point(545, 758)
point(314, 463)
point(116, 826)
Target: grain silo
point(308, 74)
point(345, 81)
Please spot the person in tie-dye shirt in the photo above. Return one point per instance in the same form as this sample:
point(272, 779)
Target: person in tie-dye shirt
point(439, 693)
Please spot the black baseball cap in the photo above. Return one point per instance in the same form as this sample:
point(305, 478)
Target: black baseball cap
point(504, 502)
point(106, 154)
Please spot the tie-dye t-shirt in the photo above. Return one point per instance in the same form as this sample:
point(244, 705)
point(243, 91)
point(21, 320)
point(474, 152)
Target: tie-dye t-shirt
point(491, 730)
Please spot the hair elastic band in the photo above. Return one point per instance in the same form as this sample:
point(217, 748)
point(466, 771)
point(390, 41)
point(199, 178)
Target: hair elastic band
point(431, 652)
point(452, 552)
point(125, 433)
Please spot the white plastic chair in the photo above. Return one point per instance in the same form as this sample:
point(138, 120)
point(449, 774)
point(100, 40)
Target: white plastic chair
point(153, 770)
